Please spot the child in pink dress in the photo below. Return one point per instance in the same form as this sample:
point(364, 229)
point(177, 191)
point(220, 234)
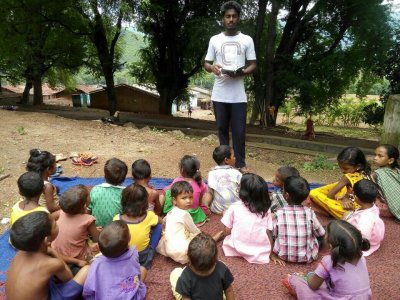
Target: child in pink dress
point(189, 167)
point(75, 224)
point(366, 218)
point(342, 275)
point(246, 222)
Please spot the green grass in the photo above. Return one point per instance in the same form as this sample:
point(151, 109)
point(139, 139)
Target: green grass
point(363, 133)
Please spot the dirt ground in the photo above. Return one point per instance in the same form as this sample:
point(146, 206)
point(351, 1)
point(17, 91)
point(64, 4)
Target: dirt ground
point(22, 131)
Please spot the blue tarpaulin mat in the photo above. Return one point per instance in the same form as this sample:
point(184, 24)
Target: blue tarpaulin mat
point(7, 252)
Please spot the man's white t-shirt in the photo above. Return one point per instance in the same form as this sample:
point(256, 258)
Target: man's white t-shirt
point(231, 52)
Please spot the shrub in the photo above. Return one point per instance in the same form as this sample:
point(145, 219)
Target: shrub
point(319, 162)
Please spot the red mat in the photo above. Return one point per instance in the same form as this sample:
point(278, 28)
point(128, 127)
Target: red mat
point(253, 282)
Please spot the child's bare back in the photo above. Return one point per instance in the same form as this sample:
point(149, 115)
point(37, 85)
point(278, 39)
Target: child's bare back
point(36, 266)
point(29, 274)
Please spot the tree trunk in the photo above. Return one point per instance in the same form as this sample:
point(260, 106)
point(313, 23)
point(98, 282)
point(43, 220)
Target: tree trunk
point(167, 97)
point(269, 61)
point(391, 128)
point(25, 94)
point(258, 82)
point(37, 91)
point(111, 95)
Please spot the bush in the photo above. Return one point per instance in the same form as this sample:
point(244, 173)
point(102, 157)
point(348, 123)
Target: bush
point(319, 162)
point(373, 114)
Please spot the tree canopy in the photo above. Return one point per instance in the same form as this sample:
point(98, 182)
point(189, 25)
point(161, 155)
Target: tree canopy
point(308, 50)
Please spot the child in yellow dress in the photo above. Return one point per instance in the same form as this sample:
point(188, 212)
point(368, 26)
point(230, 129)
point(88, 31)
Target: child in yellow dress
point(337, 198)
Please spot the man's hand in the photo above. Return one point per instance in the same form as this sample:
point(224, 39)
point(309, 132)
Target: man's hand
point(216, 69)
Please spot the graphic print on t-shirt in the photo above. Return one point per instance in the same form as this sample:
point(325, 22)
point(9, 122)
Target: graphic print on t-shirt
point(232, 56)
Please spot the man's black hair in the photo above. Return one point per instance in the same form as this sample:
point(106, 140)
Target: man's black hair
point(231, 5)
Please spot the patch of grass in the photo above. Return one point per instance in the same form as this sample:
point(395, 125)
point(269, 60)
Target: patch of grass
point(2, 170)
point(21, 130)
point(352, 132)
point(156, 130)
point(319, 162)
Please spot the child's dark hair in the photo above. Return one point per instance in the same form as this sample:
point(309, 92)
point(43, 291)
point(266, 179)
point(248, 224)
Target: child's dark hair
point(30, 184)
point(297, 188)
point(202, 252)
point(73, 201)
point(392, 152)
point(190, 167)
point(354, 156)
point(115, 171)
point(40, 160)
point(221, 152)
point(141, 169)
point(134, 200)
point(29, 231)
point(231, 5)
point(114, 239)
point(287, 171)
point(365, 190)
point(346, 241)
point(254, 194)
point(180, 187)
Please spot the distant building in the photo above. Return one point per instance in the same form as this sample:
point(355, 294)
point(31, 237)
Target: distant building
point(48, 92)
point(203, 97)
point(133, 98)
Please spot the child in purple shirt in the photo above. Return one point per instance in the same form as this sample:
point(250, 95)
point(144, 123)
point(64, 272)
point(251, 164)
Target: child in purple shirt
point(341, 275)
point(116, 274)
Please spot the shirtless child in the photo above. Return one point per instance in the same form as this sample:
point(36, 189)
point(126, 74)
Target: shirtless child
point(36, 267)
point(141, 173)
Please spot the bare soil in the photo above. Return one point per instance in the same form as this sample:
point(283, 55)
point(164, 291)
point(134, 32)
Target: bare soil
point(22, 131)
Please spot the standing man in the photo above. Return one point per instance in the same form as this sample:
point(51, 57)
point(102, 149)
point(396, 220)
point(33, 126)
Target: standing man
point(230, 57)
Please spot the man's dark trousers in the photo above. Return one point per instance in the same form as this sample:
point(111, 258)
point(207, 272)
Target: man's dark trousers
point(234, 115)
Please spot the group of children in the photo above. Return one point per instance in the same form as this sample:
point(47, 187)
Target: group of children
point(117, 230)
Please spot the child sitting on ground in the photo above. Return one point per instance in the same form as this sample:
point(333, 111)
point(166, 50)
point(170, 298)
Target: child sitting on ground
point(116, 273)
point(30, 185)
point(223, 180)
point(205, 277)
point(144, 226)
point(105, 198)
point(387, 176)
point(366, 218)
point(295, 229)
point(189, 167)
point(75, 225)
point(336, 198)
point(246, 222)
point(179, 227)
point(277, 199)
point(141, 173)
point(36, 267)
point(44, 163)
point(341, 275)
